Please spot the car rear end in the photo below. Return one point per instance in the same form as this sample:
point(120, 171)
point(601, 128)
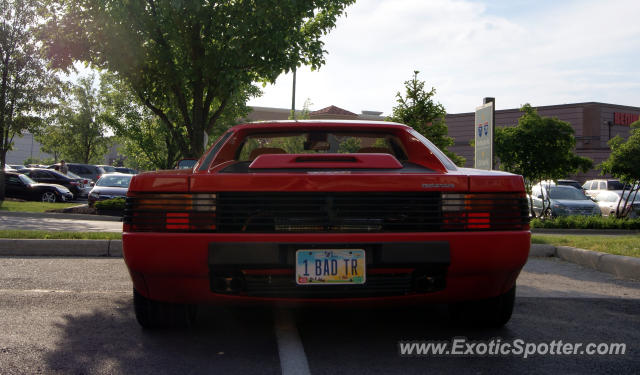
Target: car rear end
point(355, 228)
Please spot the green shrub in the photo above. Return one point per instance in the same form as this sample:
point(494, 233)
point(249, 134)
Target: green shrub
point(586, 222)
point(115, 204)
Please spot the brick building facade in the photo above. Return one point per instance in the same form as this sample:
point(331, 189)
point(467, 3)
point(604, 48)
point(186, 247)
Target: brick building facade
point(594, 125)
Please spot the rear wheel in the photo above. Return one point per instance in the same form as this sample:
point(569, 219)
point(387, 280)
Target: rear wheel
point(491, 312)
point(48, 196)
point(152, 314)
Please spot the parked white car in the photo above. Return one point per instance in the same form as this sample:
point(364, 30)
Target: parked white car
point(593, 187)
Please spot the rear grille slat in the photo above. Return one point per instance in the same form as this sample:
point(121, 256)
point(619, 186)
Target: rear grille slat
point(361, 212)
point(312, 212)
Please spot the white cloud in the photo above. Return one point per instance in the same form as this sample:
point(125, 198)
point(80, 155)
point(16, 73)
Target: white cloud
point(545, 53)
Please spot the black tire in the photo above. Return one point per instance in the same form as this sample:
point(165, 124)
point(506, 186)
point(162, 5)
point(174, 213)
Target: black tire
point(49, 196)
point(492, 312)
point(152, 314)
point(548, 214)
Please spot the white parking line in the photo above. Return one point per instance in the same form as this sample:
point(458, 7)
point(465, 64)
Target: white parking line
point(293, 360)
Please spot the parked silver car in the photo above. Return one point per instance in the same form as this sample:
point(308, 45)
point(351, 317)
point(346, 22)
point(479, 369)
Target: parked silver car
point(110, 185)
point(561, 200)
point(608, 202)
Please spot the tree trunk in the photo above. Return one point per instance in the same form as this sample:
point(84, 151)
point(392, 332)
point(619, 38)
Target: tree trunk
point(620, 213)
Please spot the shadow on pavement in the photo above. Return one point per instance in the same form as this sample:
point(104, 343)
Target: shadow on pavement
point(336, 341)
point(367, 341)
point(110, 341)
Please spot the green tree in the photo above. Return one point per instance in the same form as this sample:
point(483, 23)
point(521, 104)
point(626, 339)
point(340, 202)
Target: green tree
point(185, 60)
point(304, 114)
point(538, 148)
point(147, 144)
point(26, 86)
point(624, 163)
point(418, 110)
point(52, 139)
point(78, 131)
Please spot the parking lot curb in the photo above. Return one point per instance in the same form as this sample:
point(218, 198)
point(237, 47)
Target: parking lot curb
point(62, 248)
point(618, 265)
point(542, 251)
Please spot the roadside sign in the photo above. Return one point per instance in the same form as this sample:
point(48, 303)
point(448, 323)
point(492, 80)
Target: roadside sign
point(484, 137)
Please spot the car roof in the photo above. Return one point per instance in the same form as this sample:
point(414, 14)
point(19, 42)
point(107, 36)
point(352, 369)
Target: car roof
point(117, 174)
point(86, 165)
point(346, 124)
point(562, 187)
point(45, 170)
point(39, 169)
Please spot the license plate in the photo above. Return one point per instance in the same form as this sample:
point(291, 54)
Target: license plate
point(330, 266)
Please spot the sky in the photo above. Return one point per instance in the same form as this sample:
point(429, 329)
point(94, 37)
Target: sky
point(540, 52)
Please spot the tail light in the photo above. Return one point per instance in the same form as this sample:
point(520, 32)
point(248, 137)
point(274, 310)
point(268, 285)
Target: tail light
point(170, 213)
point(485, 211)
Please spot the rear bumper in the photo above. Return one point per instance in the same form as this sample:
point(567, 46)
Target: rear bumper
point(179, 267)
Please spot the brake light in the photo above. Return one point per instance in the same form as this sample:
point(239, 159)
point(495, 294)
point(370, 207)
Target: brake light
point(478, 220)
point(484, 211)
point(170, 213)
point(177, 220)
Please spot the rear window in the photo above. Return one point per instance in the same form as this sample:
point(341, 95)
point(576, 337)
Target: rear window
point(114, 180)
point(615, 185)
point(567, 193)
point(108, 168)
point(78, 169)
point(320, 142)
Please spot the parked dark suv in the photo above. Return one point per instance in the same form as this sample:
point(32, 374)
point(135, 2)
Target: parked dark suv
point(90, 171)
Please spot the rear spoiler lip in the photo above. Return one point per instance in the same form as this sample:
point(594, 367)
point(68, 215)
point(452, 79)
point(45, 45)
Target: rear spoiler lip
point(323, 161)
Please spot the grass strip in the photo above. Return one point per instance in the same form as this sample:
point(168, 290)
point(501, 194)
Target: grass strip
point(15, 206)
point(617, 245)
point(58, 235)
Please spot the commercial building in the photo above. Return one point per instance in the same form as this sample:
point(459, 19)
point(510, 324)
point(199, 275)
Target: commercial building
point(329, 113)
point(594, 125)
point(25, 147)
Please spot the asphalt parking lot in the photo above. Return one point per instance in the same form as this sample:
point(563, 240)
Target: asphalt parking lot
point(74, 315)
